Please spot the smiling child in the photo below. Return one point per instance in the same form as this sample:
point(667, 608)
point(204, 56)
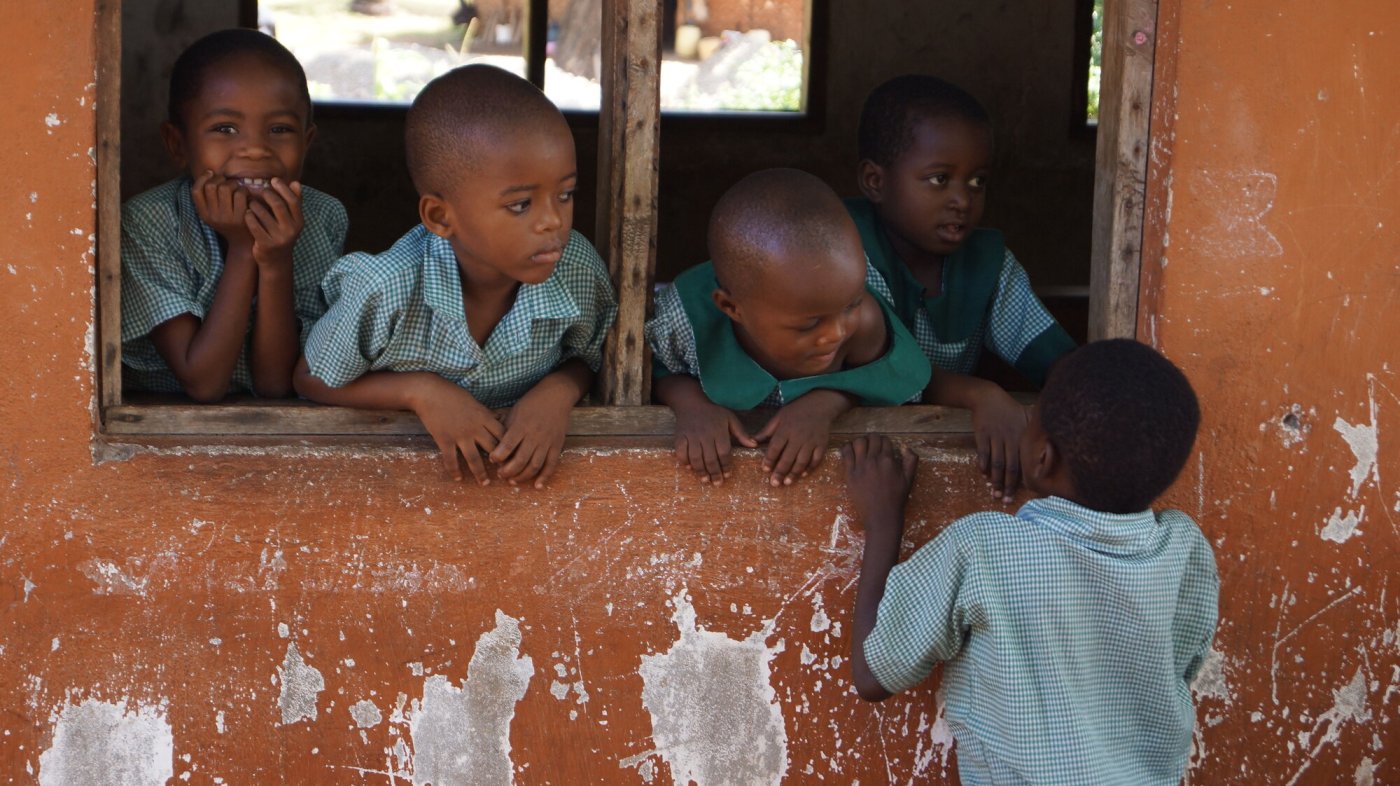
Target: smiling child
point(492, 301)
point(221, 268)
point(782, 317)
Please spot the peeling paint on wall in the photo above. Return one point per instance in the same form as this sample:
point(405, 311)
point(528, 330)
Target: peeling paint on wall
point(99, 743)
point(1341, 527)
point(1363, 444)
point(714, 716)
point(1239, 201)
point(301, 684)
point(1348, 705)
point(461, 736)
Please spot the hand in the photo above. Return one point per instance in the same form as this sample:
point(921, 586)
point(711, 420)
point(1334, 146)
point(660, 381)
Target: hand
point(275, 222)
point(879, 477)
point(798, 435)
point(534, 438)
point(998, 421)
point(222, 204)
point(459, 424)
point(703, 432)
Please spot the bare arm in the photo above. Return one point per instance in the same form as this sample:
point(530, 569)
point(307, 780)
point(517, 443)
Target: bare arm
point(997, 422)
point(536, 425)
point(878, 479)
point(458, 423)
point(274, 226)
point(703, 428)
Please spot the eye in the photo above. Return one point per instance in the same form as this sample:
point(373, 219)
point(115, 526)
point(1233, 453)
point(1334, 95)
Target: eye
point(808, 326)
point(940, 179)
point(855, 304)
point(283, 129)
point(519, 208)
point(568, 195)
point(977, 182)
point(224, 128)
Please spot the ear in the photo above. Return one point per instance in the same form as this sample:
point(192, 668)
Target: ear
point(174, 140)
point(726, 304)
point(310, 134)
point(870, 177)
point(436, 215)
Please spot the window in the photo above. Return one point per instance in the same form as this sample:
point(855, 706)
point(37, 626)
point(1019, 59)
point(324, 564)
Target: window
point(628, 134)
point(717, 55)
point(1088, 59)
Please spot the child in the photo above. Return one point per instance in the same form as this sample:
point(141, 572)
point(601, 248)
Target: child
point(1072, 630)
point(221, 268)
point(781, 318)
point(925, 149)
point(493, 301)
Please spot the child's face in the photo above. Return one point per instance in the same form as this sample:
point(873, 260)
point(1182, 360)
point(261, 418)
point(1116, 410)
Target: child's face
point(932, 196)
point(796, 318)
point(508, 218)
point(248, 123)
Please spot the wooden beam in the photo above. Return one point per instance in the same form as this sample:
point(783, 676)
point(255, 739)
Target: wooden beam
point(109, 198)
point(304, 419)
point(1120, 176)
point(629, 123)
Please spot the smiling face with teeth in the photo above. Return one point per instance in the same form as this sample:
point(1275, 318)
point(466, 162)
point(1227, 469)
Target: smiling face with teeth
point(249, 122)
point(931, 196)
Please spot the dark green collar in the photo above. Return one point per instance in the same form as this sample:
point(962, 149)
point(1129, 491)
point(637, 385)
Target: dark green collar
point(969, 276)
point(734, 380)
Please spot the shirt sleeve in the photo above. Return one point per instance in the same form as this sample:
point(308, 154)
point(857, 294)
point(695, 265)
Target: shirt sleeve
point(322, 243)
point(355, 329)
point(1020, 329)
point(1197, 605)
point(671, 337)
point(157, 284)
point(593, 291)
point(924, 615)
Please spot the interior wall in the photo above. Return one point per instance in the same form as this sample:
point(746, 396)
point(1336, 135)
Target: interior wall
point(1041, 188)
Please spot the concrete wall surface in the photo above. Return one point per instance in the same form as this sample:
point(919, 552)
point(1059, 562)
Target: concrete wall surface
point(303, 613)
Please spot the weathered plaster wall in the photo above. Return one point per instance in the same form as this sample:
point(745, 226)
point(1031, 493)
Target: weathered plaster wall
point(1271, 274)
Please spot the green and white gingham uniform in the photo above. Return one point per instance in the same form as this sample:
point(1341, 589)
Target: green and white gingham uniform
point(986, 300)
point(1070, 638)
point(690, 335)
point(171, 263)
point(402, 310)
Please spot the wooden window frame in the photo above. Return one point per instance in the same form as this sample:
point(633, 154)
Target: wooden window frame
point(628, 149)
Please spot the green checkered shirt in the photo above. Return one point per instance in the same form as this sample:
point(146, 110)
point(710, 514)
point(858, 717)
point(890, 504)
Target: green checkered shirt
point(171, 263)
point(1070, 638)
point(690, 335)
point(402, 310)
point(986, 300)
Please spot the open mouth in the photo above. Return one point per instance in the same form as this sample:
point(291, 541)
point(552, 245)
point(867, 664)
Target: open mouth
point(254, 183)
point(952, 233)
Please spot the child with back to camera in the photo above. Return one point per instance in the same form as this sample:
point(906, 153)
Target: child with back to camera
point(1071, 631)
point(492, 301)
point(926, 155)
point(782, 317)
point(222, 267)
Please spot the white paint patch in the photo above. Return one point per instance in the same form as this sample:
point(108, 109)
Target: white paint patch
point(1363, 444)
point(1238, 202)
point(820, 622)
point(461, 736)
point(366, 715)
point(1340, 528)
point(1348, 704)
point(1211, 680)
point(301, 684)
point(112, 580)
point(52, 120)
point(1365, 774)
point(96, 743)
point(715, 718)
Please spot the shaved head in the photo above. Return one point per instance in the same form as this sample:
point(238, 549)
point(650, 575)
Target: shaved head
point(463, 116)
point(776, 218)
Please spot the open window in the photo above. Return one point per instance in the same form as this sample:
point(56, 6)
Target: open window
point(631, 40)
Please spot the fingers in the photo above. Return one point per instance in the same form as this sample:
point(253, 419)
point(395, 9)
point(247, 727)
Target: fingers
point(984, 450)
point(475, 462)
point(450, 465)
point(741, 435)
point(506, 447)
point(551, 463)
point(996, 465)
point(911, 461)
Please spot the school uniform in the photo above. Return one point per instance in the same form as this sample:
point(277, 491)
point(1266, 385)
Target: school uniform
point(1069, 638)
point(171, 263)
point(403, 310)
point(690, 335)
point(986, 301)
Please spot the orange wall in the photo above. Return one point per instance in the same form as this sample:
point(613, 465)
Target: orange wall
point(185, 611)
point(1271, 274)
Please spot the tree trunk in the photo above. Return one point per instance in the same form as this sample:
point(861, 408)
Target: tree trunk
point(580, 38)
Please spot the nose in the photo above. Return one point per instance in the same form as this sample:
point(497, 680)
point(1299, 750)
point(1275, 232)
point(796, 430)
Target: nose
point(960, 197)
point(551, 216)
point(255, 146)
point(835, 333)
